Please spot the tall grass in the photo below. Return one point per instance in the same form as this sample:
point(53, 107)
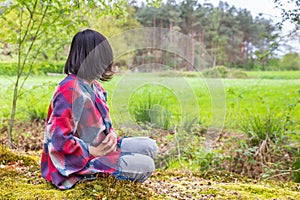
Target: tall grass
point(261, 127)
point(154, 105)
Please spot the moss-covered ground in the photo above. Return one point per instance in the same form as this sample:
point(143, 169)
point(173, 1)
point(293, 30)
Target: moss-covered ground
point(20, 179)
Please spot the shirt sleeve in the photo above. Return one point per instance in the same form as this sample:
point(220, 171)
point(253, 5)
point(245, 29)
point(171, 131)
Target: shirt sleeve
point(68, 153)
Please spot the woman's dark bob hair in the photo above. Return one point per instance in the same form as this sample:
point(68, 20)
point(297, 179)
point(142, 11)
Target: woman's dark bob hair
point(90, 56)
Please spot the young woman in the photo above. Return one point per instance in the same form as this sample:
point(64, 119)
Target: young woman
point(79, 140)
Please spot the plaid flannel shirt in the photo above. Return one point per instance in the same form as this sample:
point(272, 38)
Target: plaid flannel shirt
point(78, 116)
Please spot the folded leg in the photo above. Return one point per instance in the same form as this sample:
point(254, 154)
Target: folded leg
point(135, 167)
point(140, 145)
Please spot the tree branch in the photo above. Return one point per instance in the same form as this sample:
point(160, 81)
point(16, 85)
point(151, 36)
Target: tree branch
point(31, 45)
point(30, 20)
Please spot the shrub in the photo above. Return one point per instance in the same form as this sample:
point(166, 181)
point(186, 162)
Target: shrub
point(261, 127)
point(11, 69)
point(223, 72)
point(237, 74)
point(273, 64)
point(191, 74)
point(268, 150)
point(216, 72)
point(290, 61)
point(170, 74)
point(37, 113)
point(150, 105)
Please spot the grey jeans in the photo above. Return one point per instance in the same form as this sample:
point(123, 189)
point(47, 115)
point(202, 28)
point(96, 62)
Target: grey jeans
point(136, 161)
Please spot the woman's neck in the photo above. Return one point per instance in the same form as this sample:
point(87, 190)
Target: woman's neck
point(89, 82)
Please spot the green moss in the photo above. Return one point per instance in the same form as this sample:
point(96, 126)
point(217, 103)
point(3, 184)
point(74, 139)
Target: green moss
point(259, 191)
point(9, 157)
point(20, 178)
point(18, 181)
point(14, 185)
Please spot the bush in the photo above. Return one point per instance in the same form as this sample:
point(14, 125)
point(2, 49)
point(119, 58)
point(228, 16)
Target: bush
point(44, 68)
point(150, 105)
point(262, 127)
point(268, 150)
point(290, 61)
point(218, 71)
point(249, 65)
point(11, 69)
point(169, 73)
point(191, 74)
point(237, 74)
point(152, 110)
point(273, 64)
point(223, 72)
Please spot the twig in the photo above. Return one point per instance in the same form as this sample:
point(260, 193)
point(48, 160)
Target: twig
point(177, 144)
point(286, 173)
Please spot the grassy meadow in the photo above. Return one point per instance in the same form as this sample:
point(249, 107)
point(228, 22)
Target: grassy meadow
point(274, 74)
point(172, 101)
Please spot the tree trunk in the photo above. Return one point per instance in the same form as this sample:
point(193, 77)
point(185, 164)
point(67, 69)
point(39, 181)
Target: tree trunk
point(13, 113)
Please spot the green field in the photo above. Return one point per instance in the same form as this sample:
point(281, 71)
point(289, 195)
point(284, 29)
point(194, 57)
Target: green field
point(175, 100)
point(274, 74)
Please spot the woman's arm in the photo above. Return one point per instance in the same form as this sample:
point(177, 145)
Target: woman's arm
point(68, 153)
point(108, 145)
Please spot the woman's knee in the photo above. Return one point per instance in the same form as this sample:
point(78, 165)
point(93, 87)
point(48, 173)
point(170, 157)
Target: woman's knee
point(154, 148)
point(147, 167)
point(151, 147)
point(136, 167)
point(141, 145)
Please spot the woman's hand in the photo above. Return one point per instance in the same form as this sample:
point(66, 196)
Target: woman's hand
point(108, 145)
